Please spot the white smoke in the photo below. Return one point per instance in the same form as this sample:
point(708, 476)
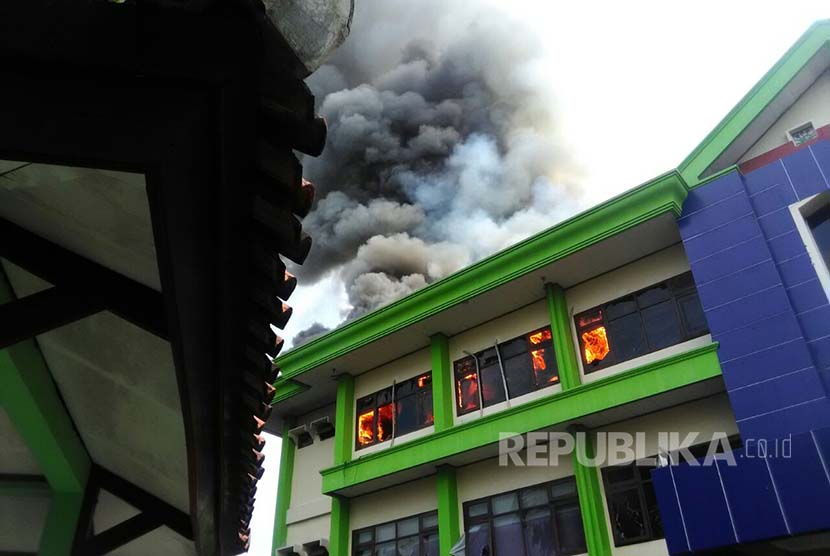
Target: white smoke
point(442, 147)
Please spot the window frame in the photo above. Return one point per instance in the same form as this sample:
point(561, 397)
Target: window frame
point(676, 295)
point(552, 504)
point(372, 545)
point(392, 392)
point(627, 485)
point(460, 364)
point(801, 212)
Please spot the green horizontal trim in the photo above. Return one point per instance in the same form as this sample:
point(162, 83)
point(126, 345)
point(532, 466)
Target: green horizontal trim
point(664, 194)
point(642, 382)
point(287, 388)
point(754, 102)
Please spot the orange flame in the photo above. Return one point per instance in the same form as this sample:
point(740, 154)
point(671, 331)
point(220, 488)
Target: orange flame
point(422, 380)
point(385, 416)
point(595, 344)
point(365, 434)
point(471, 390)
point(539, 337)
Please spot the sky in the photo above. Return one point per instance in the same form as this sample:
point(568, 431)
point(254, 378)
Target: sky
point(637, 86)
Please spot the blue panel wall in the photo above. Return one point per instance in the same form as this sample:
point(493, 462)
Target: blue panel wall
point(761, 293)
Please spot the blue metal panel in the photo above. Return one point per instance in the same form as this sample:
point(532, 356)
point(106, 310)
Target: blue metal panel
point(820, 349)
point(789, 420)
point(702, 197)
point(777, 222)
point(797, 270)
point(747, 308)
point(729, 259)
point(805, 175)
point(776, 393)
point(715, 239)
point(786, 246)
point(751, 496)
point(701, 496)
point(762, 365)
point(758, 336)
point(807, 295)
point(821, 151)
point(716, 214)
point(669, 511)
point(802, 484)
point(732, 286)
point(763, 178)
point(816, 322)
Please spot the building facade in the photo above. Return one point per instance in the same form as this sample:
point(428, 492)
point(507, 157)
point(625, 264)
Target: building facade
point(689, 314)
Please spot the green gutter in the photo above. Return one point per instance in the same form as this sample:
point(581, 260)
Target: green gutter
point(754, 102)
point(283, 501)
point(567, 406)
point(664, 194)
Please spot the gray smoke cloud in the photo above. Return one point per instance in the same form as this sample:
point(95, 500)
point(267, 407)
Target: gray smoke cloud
point(442, 147)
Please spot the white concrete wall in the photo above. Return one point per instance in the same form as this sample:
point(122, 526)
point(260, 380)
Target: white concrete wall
point(399, 370)
point(506, 327)
point(812, 106)
point(398, 502)
point(707, 417)
point(623, 281)
point(308, 512)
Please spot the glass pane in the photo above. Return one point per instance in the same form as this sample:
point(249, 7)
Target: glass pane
point(408, 546)
point(693, 317)
point(563, 488)
point(653, 295)
point(405, 388)
point(384, 396)
point(620, 307)
point(619, 473)
point(539, 533)
point(364, 536)
point(366, 402)
point(626, 335)
point(429, 521)
point(478, 509)
point(366, 428)
point(487, 357)
point(513, 347)
point(478, 540)
point(507, 535)
point(819, 223)
point(466, 385)
point(539, 337)
point(534, 497)
point(627, 516)
point(653, 512)
point(683, 282)
point(595, 345)
point(431, 545)
point(425, 416)
point(569, 527)
point(385, 422)
point(545, 372)
point(588, 318)
point(385, 532)
point(661, 324)
point(386, 549)
point(407, 414)
point(408, 527)
point(519, 374)
point(492, 387)
point(364, 552)
point(505, 503)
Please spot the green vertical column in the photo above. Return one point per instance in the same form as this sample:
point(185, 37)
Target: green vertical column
point(590, 497)
point(339, 530)
point(343, 440)
point(563, 344)
point(449, 524)
point(344, 419)
point(442, 383)
point(286, 474)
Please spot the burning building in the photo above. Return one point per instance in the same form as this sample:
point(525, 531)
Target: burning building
point(698, 302)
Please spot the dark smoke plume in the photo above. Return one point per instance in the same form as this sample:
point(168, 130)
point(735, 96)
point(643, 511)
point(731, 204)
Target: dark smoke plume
point(442, 147)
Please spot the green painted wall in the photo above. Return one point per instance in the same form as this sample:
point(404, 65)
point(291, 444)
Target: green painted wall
point(283, 501)
point(563, 344)
point(339, 532)
point(344, 419)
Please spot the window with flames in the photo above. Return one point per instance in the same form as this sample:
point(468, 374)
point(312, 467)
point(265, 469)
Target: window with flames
point(646, 321)
point(394, 411)
point(524, 364)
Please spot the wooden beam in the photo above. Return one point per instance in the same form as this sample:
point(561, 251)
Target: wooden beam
point(145, 502)
point(74, 274)
point(119, 535)
point(41, 312)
